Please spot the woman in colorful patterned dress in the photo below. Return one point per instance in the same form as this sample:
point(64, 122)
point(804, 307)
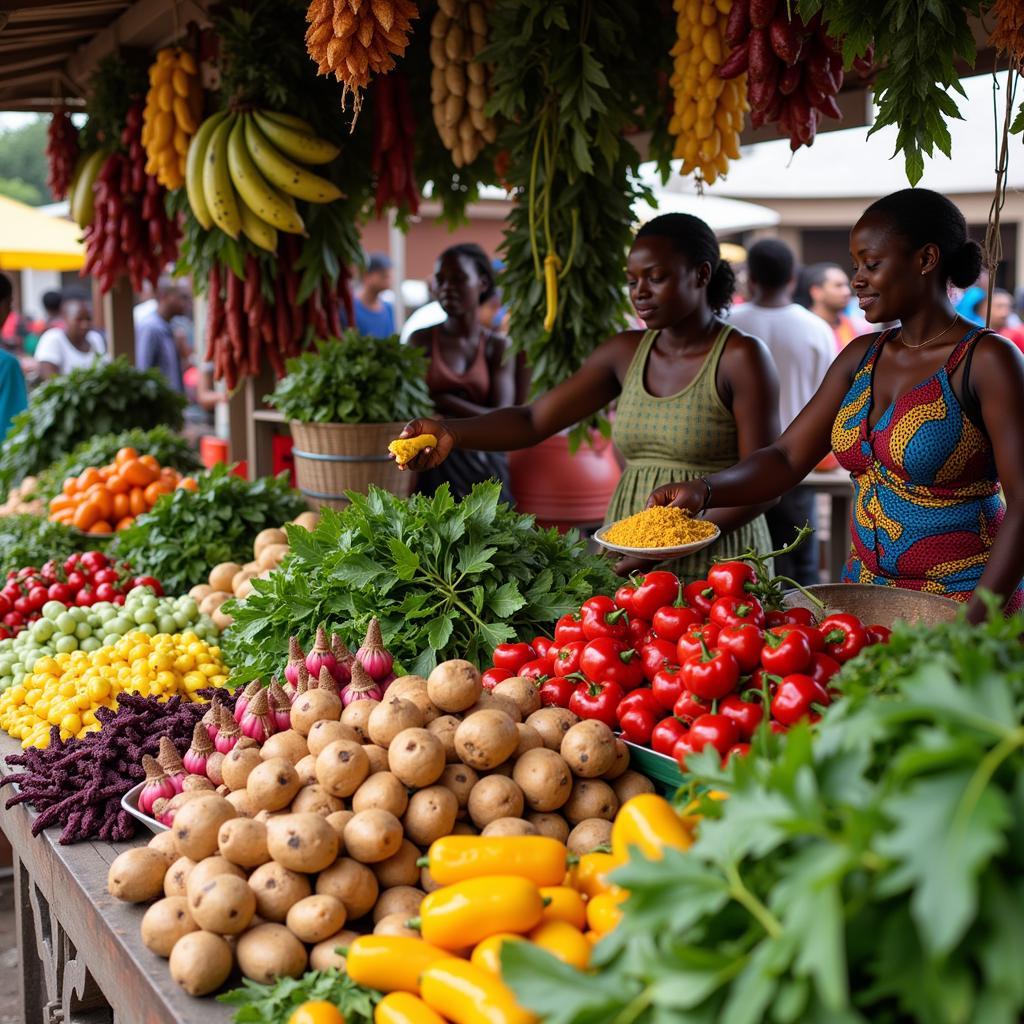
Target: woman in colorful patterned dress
point(928, 419)
point(694, 394)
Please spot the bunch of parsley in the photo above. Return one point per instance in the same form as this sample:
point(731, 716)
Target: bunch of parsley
point(274, 1004)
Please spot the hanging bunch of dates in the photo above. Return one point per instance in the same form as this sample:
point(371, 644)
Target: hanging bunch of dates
point(794, 68)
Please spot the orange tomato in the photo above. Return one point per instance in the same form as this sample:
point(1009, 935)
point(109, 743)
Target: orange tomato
point(117, 484)
point(121, 507)
point(188, 483)
point(65, 515)
point(106, 472)
point(150, 460)
point(138, 474)
point(88, 478)
point(86, 515)
point(155, 489)
point(137, 501)
point(125, 455)
point(102, 526)
point(70, 485)
point(62, 501)
point(103, 499)
point(124, 523)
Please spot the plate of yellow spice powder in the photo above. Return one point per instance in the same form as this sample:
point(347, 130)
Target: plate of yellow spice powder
point(658, 533)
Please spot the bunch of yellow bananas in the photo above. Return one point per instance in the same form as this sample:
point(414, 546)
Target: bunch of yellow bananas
point(174, 108)
point(244, 172)
point(708, 113)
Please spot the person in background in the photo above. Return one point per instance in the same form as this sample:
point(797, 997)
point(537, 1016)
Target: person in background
point(926, 418)
point(155, 342)
point(802, 347)
point(375, 316)
point(51, 303)
point(966, 305)
point(467, 372)
point(999, 321)
point(827, 289)
point(72, 346)
point(693, 393)
point(13, 393)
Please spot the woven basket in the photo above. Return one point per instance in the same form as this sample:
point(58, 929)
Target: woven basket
point(332, 458)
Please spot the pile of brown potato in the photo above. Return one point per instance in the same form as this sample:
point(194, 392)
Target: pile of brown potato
point(314, 837)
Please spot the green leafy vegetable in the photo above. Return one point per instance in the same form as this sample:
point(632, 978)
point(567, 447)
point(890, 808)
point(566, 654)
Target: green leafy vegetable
point(32, 540)
point(167, 447)
point(870, 871)
point(187, 533)
point(355, 379)
point(66, 410)
point(273, 1004)
point(446, 579)
point(918, 44)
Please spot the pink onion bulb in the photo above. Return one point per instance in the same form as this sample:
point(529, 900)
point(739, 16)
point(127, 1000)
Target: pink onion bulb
point(373, 656)
point(344, 657)
point(169, 760)
point(212, 717)
point(257, 722)
point(280, 706)
point(228, 734)
point(157, 785)
point(199, 752)
point(362, 687)
point(245, 696)
point(321, 657)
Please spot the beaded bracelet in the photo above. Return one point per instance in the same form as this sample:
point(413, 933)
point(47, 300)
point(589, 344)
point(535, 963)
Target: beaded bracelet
point(707, 495)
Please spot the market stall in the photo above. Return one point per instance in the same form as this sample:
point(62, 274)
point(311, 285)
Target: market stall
point(416, 759)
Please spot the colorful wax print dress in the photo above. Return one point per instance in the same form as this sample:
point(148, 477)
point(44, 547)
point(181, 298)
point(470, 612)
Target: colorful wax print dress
point(927, 506)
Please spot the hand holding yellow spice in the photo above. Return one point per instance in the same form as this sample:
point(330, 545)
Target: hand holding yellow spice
point(405, 449)
point(65, 690)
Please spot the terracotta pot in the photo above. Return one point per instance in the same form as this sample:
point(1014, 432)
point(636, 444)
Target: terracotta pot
point(827, 464)
point(563, 489)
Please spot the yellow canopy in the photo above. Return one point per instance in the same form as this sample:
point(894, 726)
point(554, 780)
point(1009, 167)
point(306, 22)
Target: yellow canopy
point(30, 240)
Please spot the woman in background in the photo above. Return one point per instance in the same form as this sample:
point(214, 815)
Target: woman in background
point(467, 373)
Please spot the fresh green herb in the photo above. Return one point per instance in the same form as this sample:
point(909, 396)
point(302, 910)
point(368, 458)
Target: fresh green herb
point(118, 81)
point(65, 410)
point(187, 533)
point(273, 1004)
point(166, 446)
point(868, 871)
point(33, 540)
point(446, 579)
point(918, 45)
point(355, 379)
point(572, 78)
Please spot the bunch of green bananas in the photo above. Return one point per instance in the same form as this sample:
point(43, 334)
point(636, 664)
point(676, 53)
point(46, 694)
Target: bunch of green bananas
point(244, 172)
point(81, 198)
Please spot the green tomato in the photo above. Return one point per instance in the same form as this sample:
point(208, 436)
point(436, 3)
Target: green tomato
point(148, 628)
point(189, 608)
point(67, 623)
point(90, 643)
point(181, 621)
point(144, 616)
point(66, 644)
point(52, 609)
point(83, 631)
point(110, 639)
point(43, 630)
point(109, 612)
point(167, 624)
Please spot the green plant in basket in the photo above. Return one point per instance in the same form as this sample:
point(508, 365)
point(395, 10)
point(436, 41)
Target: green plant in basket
point(355, 379)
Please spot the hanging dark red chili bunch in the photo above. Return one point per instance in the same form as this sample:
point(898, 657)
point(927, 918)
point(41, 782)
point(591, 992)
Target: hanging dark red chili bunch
point(62, 152)
point(131, 232)
point(394, 132)
point(794, 69)
point(260, 317)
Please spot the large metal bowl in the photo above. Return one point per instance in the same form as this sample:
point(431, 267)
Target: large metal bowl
point(881, 605)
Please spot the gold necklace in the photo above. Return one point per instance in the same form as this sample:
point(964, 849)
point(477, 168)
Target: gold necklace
point(928, 341)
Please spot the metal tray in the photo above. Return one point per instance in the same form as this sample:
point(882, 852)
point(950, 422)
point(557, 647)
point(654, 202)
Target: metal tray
point(130, 802)
point(883, 605)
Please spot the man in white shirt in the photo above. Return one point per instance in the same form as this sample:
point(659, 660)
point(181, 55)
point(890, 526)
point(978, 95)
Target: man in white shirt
point(74, 346)
point(803, 347)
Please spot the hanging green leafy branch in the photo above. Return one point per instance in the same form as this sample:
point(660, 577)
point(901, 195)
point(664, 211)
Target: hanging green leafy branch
point(917, 46)
point(572, 79)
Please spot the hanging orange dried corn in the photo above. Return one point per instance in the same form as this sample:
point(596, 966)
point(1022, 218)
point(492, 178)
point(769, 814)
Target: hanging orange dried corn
point(354, 39)
point(1008, 35)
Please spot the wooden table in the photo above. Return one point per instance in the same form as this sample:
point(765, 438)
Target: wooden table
point(81, 958)
point(837, 485)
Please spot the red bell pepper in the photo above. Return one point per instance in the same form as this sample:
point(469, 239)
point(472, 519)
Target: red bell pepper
point(601, 617)
point(845, 636)
point(666, 734)
point(540, 669)
point(744, 642)
point(567, 660)
point(791, 616)
point(598, 701)
point(689, 708)
point(513, 656)
point(543, 646)
point(731, 579)
point(671, 621)
point(746, 715)
point(655, 655)
point(690, 642)
point(640, 633)
point(556, 692)
point(637, 724)
point(654, 590)
point(878, 634)
point(493, 676)
point(711, 674)
point(698, 595)
point(624, 597)
point(666, 686)
point(731, 611)
point(608, 660)
point(709, 730)
point(798, 696)
point(569, 628)
point(783, 655)
point(823, 668)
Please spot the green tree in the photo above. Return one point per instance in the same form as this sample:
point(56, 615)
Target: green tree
point(23, 162)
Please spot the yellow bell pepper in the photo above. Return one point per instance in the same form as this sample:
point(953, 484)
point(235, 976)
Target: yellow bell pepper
point(404, 1008)
point(603, 912)
point(651, 823)
point(541, 859)
point(592, 871)
point(564, 904)
point(487, 954)
point(466, 994)
point(563, 941)
point(465, 913)
point(390, 963)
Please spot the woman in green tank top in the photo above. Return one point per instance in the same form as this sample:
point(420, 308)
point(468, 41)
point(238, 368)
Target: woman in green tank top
point(694, 395)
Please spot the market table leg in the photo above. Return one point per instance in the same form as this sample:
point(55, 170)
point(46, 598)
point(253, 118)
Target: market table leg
point(31, 985)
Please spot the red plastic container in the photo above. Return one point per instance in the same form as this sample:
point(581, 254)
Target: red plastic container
point(212, 449)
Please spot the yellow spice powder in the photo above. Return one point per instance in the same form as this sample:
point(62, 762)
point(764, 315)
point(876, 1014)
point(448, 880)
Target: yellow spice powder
point(659, 527)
